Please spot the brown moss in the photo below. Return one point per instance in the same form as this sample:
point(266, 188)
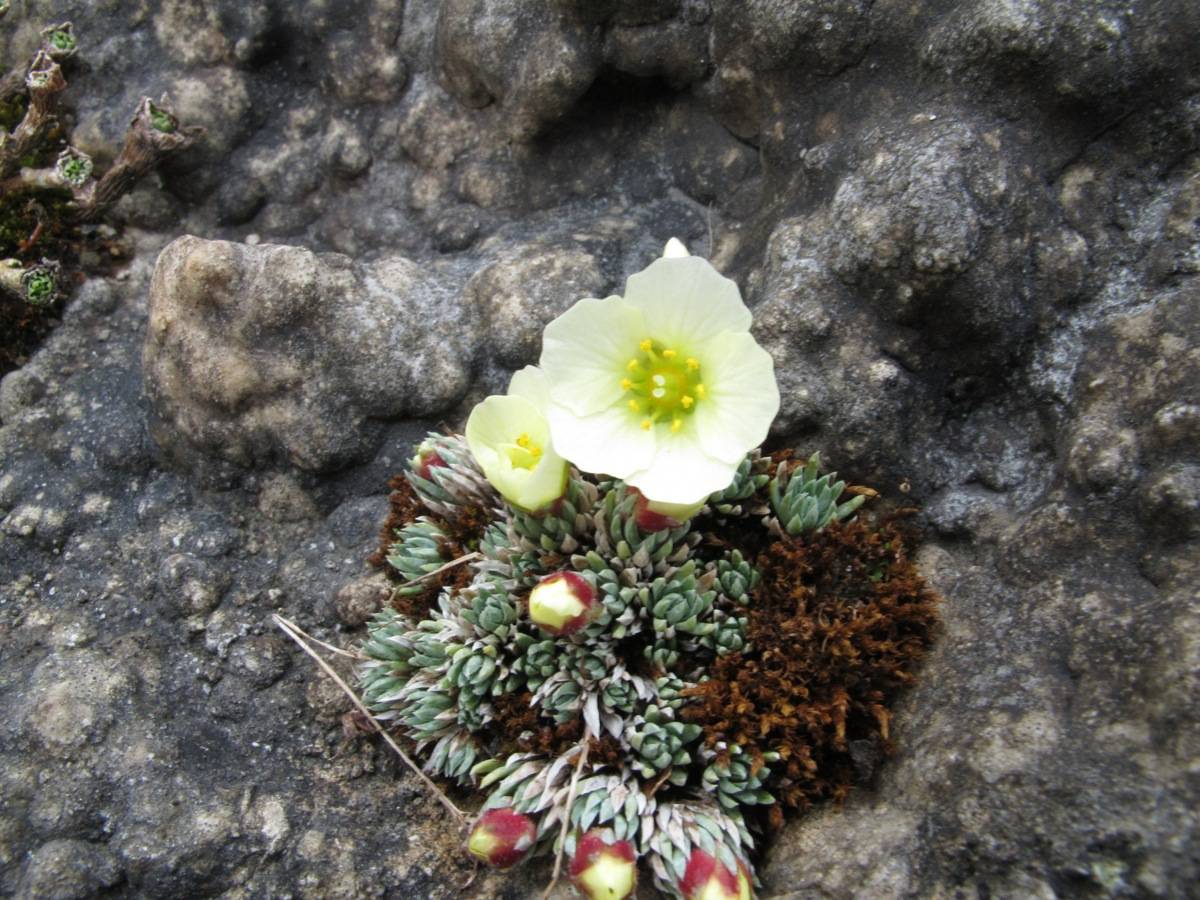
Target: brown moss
point(837, 625)
point(404, 507)
point(517, 727)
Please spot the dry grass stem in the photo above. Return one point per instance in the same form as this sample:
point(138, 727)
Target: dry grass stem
point(566, 820)
point(298, 636)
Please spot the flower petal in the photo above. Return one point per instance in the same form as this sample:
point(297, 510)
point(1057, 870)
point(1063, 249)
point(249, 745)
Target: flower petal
point(680, 471)
point(532, 489)
point(742, 399)
point(500, 421)
point(608, 442)
point(584, 352)
point(530, 383)
point(685, 300)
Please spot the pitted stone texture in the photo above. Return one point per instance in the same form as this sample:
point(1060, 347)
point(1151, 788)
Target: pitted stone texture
point(821, 37)
point(1134, 413)
point(519, 294)
point(273, 352)
point(1092, 51)
point(68, 870)
point(74, 699)
point(532, 60)
point(930, 226)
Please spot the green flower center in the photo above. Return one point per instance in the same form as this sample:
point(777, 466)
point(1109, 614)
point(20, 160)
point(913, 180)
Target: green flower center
point(75, 169)
point(662, 385)
point(161, 120)
point(524, 454)
point(39, 287)
point(62, 40)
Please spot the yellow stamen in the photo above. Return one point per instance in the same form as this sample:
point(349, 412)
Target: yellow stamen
point(700, 392)
point(646, 345)
point(523, 441)
point(693, 364)
point(669, 354)
point(646, 423)
point(631, 365)
point(635, 406)
point(535, 451)
point(676, 424)
point(686, 401)
point(626, 384)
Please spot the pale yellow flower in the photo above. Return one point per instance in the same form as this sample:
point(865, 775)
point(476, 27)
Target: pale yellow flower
point(663, 387)
point(510, 439)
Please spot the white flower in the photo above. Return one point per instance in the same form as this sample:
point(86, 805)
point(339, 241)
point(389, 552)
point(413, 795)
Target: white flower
point(510, 439)
point(664, 387)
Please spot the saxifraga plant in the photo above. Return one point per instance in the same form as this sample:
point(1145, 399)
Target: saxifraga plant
point(626, 724)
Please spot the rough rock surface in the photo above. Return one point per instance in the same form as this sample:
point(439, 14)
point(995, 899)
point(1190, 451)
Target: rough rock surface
point(969, 232)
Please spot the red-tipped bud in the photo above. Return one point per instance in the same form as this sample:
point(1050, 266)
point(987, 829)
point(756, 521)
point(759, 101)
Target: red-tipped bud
point(604, 871)
point(424, 459)
point(563, 603)
point(707, 879)
point(502, 838)
point(653, 515)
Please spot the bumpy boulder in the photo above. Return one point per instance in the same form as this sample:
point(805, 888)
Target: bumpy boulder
point(273, 352)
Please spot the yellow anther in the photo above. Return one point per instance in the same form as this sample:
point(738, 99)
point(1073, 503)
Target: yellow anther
point(700, 391)
point(693, 364)
point(646, 423)
point(670, 354)
point(635, 406)
point(676, 424)
point(646, 345)
point(535, 450)
point(626, 384)
point(632, 364)
point(686, 402)
point(523, 441)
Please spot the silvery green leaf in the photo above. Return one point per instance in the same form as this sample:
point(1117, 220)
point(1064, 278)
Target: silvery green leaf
point(727, 857)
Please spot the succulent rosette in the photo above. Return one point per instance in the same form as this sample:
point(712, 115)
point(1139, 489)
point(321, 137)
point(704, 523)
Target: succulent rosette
point(626, 680)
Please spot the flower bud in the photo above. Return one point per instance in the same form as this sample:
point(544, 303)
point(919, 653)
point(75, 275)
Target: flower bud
point(653, 515)
point(675, 249)
point(424, 459)
point(708, 879)
point(563, 603)
point(502, 837)
point(604, 871)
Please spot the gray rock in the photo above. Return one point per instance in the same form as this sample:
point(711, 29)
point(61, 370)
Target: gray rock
point(968, 236)
point(1093, 51)
point(533, 63)
point(68, 870)
point(519, 294)
point(189, 584)
point(19, 389)
point(236, 331)
point(358, 600)
point(73, 700)
point(767, 34)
